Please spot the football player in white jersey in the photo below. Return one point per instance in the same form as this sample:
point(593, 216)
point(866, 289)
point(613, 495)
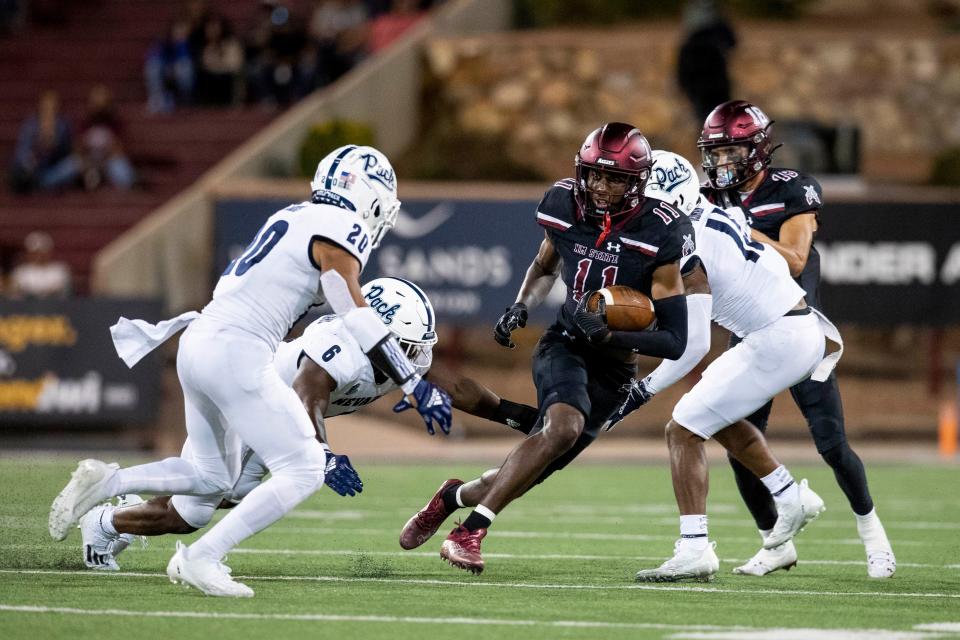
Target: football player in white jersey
point(746, 288)
point(332, 377)
point(233, 395)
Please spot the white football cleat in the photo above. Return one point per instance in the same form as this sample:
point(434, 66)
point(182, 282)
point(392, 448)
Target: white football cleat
point(881, 563)
point(793, 516)
point(98, 545)
point(769, 560)
point(86, 488)
point(209, 576)
point(686, 564)
point(100, 549)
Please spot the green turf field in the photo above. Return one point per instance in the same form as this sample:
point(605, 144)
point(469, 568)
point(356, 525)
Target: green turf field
point(560, 564)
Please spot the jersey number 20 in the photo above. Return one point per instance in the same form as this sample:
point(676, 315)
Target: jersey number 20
point(267, 238)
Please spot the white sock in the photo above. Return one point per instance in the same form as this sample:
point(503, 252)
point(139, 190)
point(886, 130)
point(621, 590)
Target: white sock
point(871, 529)
point(106, 522)
point(764, 533)
point(170, 476)
point(485, 512)
point(458, 498)
point(693, 531)
point(258, 510)
point(781, 486)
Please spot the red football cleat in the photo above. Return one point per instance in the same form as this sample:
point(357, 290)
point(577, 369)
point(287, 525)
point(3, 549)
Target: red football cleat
point(462, 549)
point(425, 522)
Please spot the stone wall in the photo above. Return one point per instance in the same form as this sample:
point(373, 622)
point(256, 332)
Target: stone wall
point(539, 93)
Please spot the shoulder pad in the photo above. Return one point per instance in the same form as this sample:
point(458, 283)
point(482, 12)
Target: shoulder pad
point(799, 192)
point(675, 240)
point(664, 211)
point(557, 209)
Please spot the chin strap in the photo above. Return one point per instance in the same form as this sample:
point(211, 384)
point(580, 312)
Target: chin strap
point(607, 224)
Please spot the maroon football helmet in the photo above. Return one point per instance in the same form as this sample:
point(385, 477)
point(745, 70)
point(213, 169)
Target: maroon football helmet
point(731, 124)
point(616, 148)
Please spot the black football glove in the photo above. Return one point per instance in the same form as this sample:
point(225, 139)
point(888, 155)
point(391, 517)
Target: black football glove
point(593, 324)
point(637, 395)
point(515, 316)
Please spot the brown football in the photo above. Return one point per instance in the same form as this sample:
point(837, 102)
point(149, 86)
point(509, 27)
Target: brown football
point(627, 309)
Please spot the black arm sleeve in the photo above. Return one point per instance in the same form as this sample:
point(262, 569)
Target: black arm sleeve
point(516, 416)
point(668, 340)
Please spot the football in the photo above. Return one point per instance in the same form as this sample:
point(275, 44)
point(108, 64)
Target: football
point(627, 309)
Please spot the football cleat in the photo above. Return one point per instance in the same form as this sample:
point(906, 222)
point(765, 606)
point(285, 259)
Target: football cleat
point(424, 523)
point(686, 564)
point(100, 549)
point(86, 488)
point(881, 563)
point(769, 560)
point(462, 549)
point(208, 576)
point(793, 516)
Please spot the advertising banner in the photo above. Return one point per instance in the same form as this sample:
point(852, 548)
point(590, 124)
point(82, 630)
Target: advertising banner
point(58, 366)
point(882, 263)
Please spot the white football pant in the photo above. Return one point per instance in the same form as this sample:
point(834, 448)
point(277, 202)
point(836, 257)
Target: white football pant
point(746, 376)
point(234, 396)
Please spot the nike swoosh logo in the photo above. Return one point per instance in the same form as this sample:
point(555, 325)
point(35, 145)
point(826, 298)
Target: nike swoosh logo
point(410, 227)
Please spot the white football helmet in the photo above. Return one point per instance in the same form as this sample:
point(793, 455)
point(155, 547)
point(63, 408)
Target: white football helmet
point(674, 180)
point(407, 312)
point(359, 179)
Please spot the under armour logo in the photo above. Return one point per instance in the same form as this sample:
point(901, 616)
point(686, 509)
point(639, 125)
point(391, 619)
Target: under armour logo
point(811, 193)
point(613, 247)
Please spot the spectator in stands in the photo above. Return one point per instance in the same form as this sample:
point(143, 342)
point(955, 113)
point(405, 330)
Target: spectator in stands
point(387, 27)
point(220, 64)
point(42, 158)
point(100, 152)
point(274, 53)
point(338, 29)
point(195, 14)
point(702, 59)
point(169, 69)
point(38, 275)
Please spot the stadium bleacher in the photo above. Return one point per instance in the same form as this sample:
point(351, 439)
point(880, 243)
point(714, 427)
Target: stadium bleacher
point(105, 41)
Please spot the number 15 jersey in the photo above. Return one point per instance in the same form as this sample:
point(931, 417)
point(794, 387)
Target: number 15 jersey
point(275, 281)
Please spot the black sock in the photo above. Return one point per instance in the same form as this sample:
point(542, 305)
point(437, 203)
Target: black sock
point(476, 521)
point(449, 497)
point(755, 495)
point(848, 469)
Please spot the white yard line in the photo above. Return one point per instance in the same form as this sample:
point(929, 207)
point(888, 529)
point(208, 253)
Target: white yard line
point(496, 556)
point(679, 631)
point(581, 535)
point(511, 585)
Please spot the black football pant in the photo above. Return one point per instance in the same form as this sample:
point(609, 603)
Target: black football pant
point(820, 404)
point(576, 374)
